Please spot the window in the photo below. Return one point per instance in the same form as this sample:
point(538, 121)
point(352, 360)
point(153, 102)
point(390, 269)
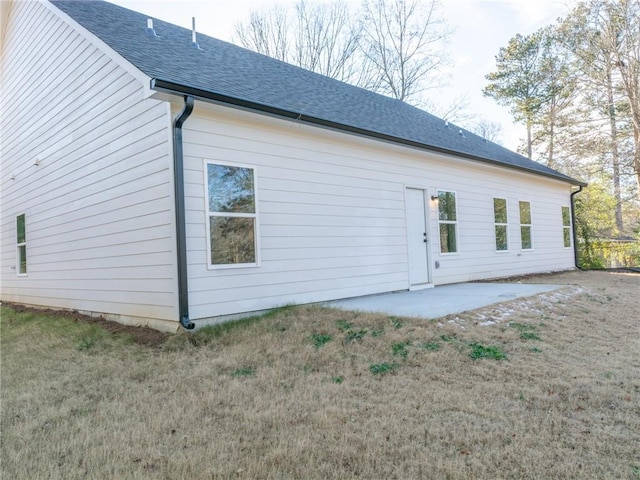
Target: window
point(448, 222)
point(525, 226)
point(501, 224)
point(566, 226)
point(232, 217)
point(21, 241)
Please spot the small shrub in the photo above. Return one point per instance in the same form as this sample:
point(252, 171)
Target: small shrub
point(447, 338)
point(354, 336)
point(382, 368)
point(431, 346)
point(396, 322)
point(85, 344)
point(243, 372)
point(344, 325)
point(491, 352)
point(89, 338)
point(527, 332)
point(320, 339)
point(522, 327)
point(377, 332)
point(529, 336)
point(400, 349)
point(337, 379)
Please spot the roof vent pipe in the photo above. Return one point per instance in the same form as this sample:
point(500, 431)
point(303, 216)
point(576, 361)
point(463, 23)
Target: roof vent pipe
point(194, 42)
point(150, 31)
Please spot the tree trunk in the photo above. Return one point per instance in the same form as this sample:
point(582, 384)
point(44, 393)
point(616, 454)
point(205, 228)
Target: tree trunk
point(550, 160)
point(529, 147)
point(615, 154)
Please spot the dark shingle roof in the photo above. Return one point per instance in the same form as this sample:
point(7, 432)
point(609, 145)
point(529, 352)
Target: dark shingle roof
point(224, 71)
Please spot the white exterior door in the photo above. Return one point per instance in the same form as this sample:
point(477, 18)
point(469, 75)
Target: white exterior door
point(417, 239)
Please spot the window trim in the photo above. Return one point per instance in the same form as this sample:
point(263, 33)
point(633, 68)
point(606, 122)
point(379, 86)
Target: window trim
point(529, 225)
point(566, 227)
point(448, 222)
point(208, 214)
point(19, 245)
point(497, 224)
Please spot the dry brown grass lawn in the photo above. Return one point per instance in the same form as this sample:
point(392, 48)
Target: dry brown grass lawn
point(293, 395)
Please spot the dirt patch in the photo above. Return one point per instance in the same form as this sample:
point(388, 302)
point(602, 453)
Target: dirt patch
point(140, 335)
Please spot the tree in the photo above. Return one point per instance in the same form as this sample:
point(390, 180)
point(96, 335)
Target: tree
point(320, 37)
point(531, 80)
point(266, 32)
point(604, 39)
point(624, 20)
point(403, 41)
point(487, 129)
point(397, 47)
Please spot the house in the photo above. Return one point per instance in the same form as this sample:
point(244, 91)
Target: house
point(157, 178)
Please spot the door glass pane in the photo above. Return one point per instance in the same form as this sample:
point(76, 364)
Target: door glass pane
point(232, 240)
point(231, 189)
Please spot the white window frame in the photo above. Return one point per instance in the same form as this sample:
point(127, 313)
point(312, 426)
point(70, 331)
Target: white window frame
point(209, 214)
point(566, 227)
point(498, 224)
point(19, 245)
point(529, 225)
point(448, 222)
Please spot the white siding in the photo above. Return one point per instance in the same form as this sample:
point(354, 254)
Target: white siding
point(99, 206)
point(332, 214)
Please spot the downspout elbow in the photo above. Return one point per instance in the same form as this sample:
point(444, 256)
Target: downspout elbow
point(181, 234)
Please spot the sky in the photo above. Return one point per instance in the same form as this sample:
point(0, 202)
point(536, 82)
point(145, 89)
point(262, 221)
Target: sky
point(480, 28)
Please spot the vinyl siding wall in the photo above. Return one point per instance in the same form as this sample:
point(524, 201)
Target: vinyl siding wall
point(99, 206)
point(331, 213)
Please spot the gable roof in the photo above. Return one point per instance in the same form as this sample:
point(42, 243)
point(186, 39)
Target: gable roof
point(224, 72)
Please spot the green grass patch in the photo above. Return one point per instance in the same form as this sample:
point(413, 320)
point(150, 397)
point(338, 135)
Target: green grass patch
point(320, 339)
point(522, 327)
point(396, 322)
point(354, 336)
point(527, 331)
point(243, 372)
point(383, 368)
point(400, 349)
point(491, 352)
point(431, 346)
point(377, 332)
point(343, 325)
point(529, 336)
point(337, 379)
point(207, 334)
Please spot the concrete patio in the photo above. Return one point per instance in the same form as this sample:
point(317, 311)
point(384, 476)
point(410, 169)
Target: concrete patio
point(442, 300)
